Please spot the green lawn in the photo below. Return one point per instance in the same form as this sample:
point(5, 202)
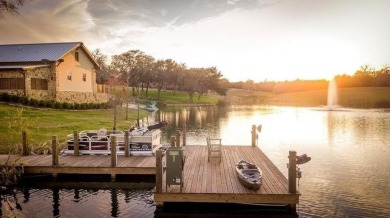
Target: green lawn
point(41, 124)
point(170, 97)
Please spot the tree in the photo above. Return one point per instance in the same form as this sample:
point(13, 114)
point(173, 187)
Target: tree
point(190, 82)
point(144, 69)
point(11, 6)
point(103, 73)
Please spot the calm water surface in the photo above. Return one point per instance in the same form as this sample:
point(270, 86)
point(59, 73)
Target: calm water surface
point(347, 177)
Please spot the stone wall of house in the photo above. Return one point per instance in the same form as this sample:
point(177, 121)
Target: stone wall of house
point(12, 74)
point(82, 97)
point(41, 73)
point(52, 92)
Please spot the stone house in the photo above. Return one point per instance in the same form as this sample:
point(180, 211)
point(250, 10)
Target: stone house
point(63, 72)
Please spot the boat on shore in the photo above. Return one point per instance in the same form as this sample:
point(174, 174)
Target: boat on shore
point(142, 141)
point(151, 107)
point(249, 174)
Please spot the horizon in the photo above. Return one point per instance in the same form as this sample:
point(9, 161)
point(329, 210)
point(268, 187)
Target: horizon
point(269, 40)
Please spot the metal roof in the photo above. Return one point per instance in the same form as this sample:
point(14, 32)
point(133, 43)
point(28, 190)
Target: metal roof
point(35, 52)
point(23, 67)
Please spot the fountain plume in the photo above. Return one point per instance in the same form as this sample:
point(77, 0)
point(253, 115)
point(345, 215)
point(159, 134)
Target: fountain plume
point(332, 95)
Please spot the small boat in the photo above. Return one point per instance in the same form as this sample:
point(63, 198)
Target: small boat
point(249, 174)
point(142, 141)
point(151, 107)
point(302, 159)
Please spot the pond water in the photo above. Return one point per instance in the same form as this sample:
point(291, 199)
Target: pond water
point(347, 176)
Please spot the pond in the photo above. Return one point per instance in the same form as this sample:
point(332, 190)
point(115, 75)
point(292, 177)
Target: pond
point(347, 176)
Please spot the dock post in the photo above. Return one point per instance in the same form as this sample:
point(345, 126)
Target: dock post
point(253, 135)
point(76, 143)
point(292, 176)
point(127, 144)
point(25, 148)
point(54, 150)
point(173, 140)
point(177, 138)
point(113, 151)
point(159, 171)
point(184, 135)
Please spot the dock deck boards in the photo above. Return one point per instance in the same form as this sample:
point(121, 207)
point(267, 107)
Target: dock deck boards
point(214, 181)
point(86, 164)
point(204, 181)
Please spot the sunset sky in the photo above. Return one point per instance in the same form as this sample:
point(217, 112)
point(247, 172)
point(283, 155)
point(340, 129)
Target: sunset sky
point(244, 39)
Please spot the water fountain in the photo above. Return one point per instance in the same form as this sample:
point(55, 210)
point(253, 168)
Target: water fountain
point(332, 95)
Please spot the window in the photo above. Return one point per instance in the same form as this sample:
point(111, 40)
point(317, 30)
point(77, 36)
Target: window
point(39, 84)
point(84, 77)
point(76, 56)
point(69, 75)
point(11, 83)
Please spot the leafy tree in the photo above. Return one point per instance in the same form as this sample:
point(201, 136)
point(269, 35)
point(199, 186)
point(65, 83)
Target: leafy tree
point(103, 73)
point(11, 6)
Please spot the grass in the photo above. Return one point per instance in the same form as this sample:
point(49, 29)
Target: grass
point(170, 97)
point(41, 124)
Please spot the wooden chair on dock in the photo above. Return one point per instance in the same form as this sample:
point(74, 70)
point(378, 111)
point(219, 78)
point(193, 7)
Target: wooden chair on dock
point(214, 147)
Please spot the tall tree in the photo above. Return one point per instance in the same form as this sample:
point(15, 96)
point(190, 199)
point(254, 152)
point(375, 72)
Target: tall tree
point(103, 73)
point(11, 6)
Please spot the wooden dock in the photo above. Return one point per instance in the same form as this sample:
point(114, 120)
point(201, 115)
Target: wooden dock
point(85, 164)
point(205, 181)
point(216, 182)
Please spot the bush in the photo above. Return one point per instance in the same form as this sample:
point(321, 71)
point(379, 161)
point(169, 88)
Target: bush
point(65, 105)
point(76, 106)
point(50, 104)
point(42, 103)
point(58, 105)
point(34, 102)
point(14, 98)
point(4, 97)
point(23, 100)
point(83, 106)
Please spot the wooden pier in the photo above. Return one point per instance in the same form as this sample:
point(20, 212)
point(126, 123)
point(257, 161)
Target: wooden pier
point(216, 182)
point(85, 164)
point(203, 180)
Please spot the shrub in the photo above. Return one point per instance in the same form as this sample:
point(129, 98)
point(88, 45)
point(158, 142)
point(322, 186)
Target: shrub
point(14, 98)
point(83, 106)
point(23, 100)
point(58, 105)
point(50, 104)
point(42, 103)
point(34, 102)
point(76, 106)
point(65, 105)
point(4, 97)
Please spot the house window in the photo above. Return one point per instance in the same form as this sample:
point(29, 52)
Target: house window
point(11, 83)
point(39, 84)
point(76, 56)
point(84, 77)
point(69, 75)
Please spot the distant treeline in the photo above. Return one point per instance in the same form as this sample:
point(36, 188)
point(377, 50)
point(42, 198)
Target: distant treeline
point(364, 77)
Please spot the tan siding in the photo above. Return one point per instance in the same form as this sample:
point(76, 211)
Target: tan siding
point(76, 69)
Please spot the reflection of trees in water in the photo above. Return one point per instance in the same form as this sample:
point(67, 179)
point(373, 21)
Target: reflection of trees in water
point(203, 119)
